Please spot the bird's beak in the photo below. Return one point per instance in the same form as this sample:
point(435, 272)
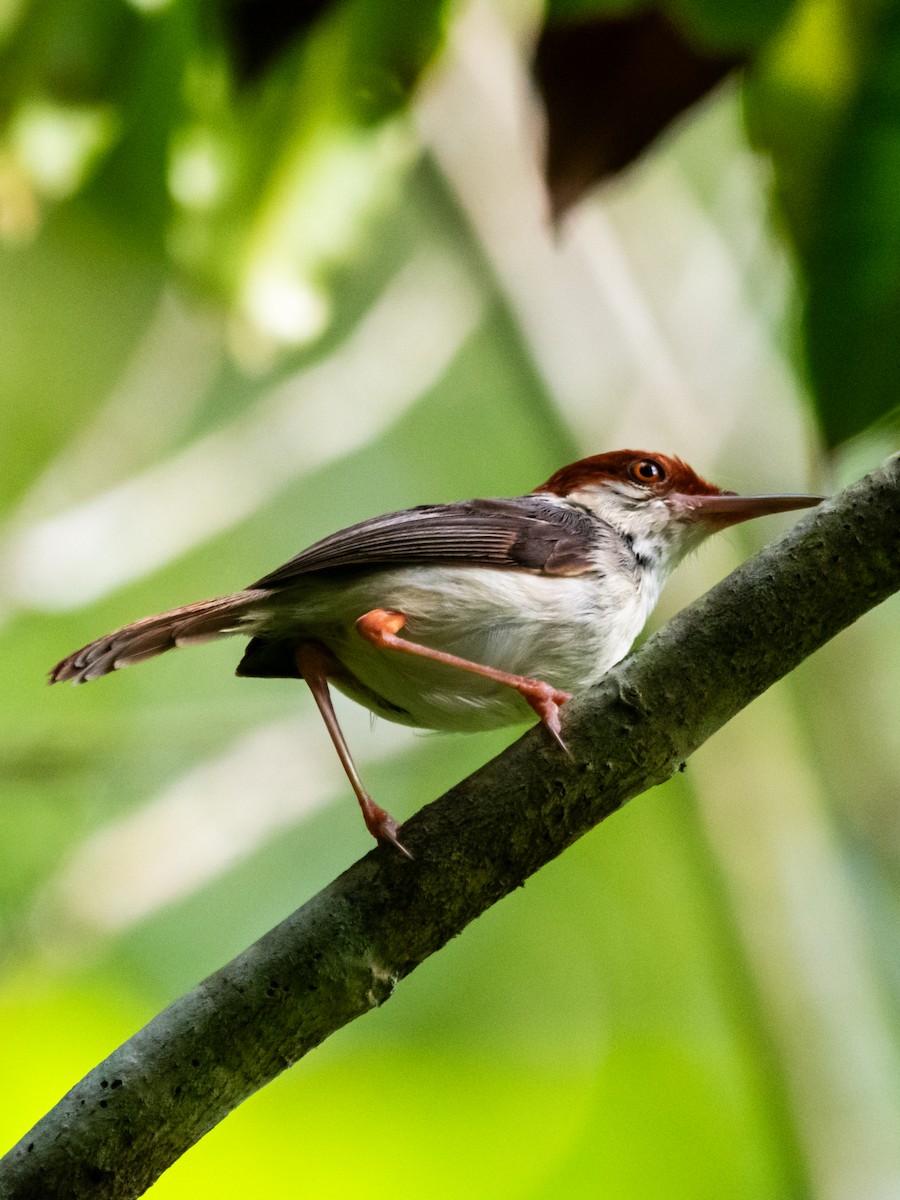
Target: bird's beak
point(727, 509)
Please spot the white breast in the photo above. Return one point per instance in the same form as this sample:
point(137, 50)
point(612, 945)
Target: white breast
point(565, 631)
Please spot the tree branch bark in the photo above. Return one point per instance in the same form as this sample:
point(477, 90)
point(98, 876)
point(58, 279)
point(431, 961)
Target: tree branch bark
point(343, 952)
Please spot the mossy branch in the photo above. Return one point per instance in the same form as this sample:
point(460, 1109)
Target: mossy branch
point(343, 953)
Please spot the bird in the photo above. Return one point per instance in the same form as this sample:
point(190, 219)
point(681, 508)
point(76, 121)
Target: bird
point(468, 615)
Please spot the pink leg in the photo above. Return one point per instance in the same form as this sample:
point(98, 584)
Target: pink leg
point(313, 662)
point(381, 626)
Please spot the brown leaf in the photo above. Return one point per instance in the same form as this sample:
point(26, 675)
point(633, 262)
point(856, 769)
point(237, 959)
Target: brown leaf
point(610, 87)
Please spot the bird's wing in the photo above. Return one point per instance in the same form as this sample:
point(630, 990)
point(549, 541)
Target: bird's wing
point(529, 533)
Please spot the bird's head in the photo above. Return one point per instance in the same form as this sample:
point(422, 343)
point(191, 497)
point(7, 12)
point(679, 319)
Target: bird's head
point(659, 501)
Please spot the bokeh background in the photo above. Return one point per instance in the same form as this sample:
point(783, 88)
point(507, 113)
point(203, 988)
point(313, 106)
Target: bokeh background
point(262, 276)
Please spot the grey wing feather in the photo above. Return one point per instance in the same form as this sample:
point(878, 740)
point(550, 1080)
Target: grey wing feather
point(529, 533)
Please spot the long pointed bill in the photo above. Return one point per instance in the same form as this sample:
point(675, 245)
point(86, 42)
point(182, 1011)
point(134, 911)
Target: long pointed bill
point(727, 509)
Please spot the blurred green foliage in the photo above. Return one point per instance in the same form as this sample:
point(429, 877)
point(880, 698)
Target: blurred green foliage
point(239, 312)
point(826, 103)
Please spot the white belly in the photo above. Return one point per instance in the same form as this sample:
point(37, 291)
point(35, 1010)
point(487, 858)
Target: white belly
point(565, 631)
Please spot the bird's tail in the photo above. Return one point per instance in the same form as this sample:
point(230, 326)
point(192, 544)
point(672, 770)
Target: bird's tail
point(200, 622)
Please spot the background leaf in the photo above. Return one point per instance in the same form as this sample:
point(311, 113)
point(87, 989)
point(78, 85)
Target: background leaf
point(826, 103)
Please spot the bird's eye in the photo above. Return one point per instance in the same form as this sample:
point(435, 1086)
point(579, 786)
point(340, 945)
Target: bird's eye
point(646, 470)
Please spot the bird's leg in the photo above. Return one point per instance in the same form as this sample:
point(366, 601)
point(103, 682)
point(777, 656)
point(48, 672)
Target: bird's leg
point(381, 626)
point(313, 662)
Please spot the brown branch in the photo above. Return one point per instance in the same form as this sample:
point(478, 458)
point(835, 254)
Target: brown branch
point(343, 952)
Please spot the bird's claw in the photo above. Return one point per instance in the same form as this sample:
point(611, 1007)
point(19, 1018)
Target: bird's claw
point(546, 701)
point(384, 828)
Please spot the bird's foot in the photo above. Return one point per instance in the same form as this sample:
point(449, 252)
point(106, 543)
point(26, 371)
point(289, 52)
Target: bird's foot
point(546, 701)
point(383, 827)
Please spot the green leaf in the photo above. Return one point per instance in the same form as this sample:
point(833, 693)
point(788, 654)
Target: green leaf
point(826, 103)
point(580, 10)
point(735, 25)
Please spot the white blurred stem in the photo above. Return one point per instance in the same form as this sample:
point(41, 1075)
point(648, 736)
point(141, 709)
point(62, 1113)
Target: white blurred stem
point(399, 349)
